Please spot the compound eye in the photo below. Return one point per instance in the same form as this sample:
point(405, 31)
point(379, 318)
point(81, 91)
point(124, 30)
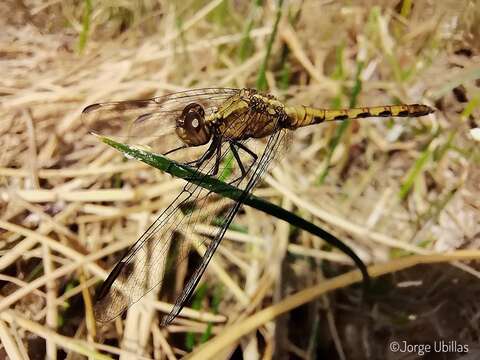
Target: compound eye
point(191, 127)
point(193, 116)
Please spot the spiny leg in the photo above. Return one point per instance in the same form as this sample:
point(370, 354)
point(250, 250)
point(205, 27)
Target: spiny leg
point(206, 156)
point(218, 158)
point(244, 172)
point(237, 157)
point(175, 149)
point(246, 149)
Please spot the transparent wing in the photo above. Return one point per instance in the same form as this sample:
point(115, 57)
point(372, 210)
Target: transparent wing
point(146, 122)
point(167, 242)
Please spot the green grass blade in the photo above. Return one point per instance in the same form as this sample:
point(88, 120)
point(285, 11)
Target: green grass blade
point(87, 13)
point(200, 295)
point(245, 49)
point(414, 172)
point(285, 73)
point(262, 77)
point(342, 128)
point(219, 187)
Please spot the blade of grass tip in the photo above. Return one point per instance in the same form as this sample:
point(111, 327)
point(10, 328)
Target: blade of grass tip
point(262, 77)
point(342, 128)
point(190, 174)
point(87, 13)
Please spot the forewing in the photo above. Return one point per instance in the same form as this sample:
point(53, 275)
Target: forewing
point(146, 122)
point(149, 261)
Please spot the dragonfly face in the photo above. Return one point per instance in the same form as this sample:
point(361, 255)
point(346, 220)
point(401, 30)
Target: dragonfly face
point(191, 127)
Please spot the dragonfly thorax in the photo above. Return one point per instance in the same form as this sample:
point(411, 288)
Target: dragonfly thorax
point(191, 127)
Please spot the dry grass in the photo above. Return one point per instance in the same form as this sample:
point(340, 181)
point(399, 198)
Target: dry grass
point(70, 205)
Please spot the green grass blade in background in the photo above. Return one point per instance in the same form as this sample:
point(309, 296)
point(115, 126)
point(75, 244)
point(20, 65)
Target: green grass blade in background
point(262, 77)
point(245, 48)
point(414, 172)
point(86, 17)
point(342, 128)
point(200, 295)
point(285, 73)
point(433, 151)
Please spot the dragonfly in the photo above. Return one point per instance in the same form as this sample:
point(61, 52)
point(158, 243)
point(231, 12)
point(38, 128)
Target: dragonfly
point(231, 134)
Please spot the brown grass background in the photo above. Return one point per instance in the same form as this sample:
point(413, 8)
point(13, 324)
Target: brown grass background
point(69, 205)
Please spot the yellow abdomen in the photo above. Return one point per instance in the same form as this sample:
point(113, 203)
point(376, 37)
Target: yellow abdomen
point(300, 116)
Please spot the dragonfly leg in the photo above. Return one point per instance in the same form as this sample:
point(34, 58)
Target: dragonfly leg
point(237, 157)
point(175, 149)
point(247, 150)
point(218, 158)
point(239, 161)
point(206, 156)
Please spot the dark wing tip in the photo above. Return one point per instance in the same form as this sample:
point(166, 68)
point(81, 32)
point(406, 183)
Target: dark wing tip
point(91, 108)
point(166, 320)
point(103, 290)
point(105, 287)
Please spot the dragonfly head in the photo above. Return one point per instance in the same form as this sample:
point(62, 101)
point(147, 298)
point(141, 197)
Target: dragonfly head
point(191, 127)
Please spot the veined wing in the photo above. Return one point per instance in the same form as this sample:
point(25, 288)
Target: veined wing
point(274, 142)
point(150, 260)
point(145, 122)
